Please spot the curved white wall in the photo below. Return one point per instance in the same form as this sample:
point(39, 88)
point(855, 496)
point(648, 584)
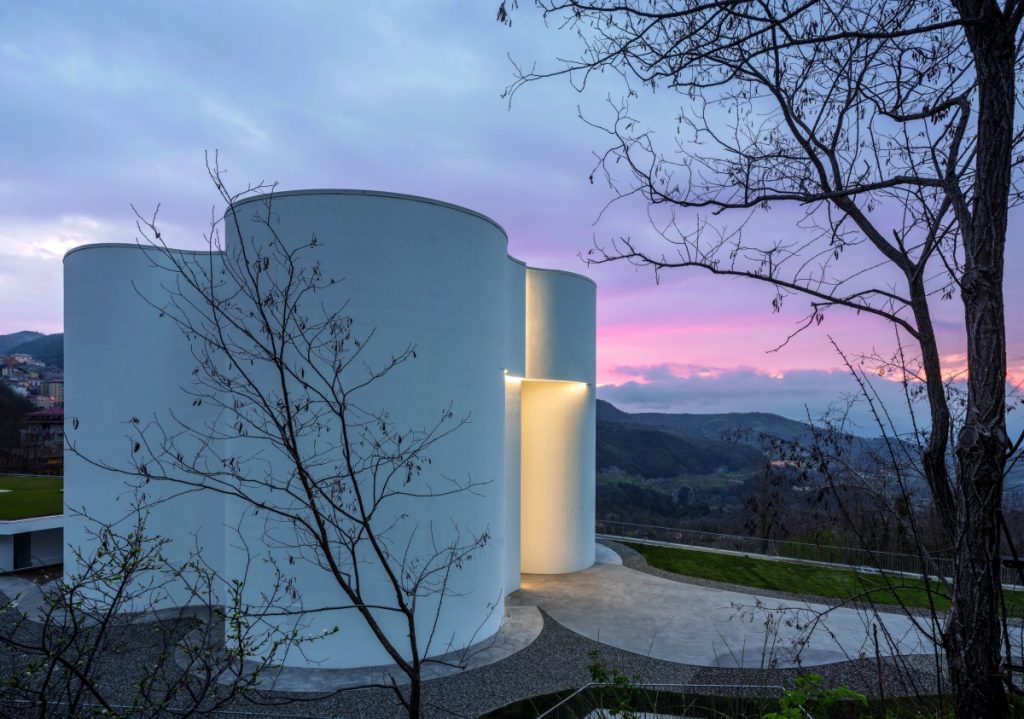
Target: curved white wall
point(558, 423)
point(515, 367)
point(421, 273)
point(515, 313)
point(413, 271)
point(123, 361)
point(561, 326)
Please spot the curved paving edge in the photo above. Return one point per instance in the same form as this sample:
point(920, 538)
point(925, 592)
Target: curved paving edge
point(634, 560)
point(702, 625)
point(556, 660)
point(522, 625)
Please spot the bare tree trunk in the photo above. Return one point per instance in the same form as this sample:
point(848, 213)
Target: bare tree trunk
point(973, 632)
point(415, 708)
point(935, 453)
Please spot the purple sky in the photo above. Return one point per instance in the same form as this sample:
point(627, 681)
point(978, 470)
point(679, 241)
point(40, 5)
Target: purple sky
point(107, 104)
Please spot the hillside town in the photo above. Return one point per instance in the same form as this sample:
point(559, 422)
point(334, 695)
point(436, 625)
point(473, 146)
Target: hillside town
point(33, 379)
point(39, 436)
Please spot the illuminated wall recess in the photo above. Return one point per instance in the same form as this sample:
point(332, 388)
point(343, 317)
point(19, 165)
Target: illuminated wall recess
point(510, 345)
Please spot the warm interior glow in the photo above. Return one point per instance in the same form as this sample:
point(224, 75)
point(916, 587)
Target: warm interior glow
point(557, 465)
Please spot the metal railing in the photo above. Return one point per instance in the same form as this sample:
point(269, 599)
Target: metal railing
point(861, 559)
point(602, 701)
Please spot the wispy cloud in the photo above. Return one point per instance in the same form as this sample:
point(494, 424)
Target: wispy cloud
point(800, 394)
point(49, 240)
point(796, 394)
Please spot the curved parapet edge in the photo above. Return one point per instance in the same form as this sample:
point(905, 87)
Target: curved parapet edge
point(270, 196)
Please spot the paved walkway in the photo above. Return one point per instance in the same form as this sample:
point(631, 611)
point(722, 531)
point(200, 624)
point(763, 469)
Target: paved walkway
point(654, 617)
point(691, 624)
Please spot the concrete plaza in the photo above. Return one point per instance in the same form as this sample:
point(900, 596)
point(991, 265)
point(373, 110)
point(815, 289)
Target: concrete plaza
point(704, 626)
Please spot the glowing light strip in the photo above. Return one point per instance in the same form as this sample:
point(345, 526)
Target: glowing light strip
point(516, 378)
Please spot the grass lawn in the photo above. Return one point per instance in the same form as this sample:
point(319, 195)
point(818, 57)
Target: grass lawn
point(30, 496)
point(800, 578)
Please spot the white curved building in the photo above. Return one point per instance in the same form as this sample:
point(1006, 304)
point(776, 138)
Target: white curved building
point(510, 346)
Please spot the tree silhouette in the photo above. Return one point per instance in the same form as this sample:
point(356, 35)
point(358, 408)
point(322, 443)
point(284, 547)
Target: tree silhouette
point(890, 125)
point(321, 475)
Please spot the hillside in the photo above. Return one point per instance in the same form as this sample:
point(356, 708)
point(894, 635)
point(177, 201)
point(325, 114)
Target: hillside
point(45, 348)
point(713, 470)
point(669, 469)
point(743, 427)
point(751, 429)
point(651, 453)
point(12, 409)
point(9, 342)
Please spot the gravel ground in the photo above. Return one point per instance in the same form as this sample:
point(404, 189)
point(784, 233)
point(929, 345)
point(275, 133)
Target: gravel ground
point(556, 660)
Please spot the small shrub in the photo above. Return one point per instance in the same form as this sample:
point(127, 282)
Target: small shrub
point(620, 696)
point(810, 697)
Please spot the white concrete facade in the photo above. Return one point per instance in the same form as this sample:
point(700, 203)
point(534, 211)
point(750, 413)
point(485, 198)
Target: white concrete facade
point(31, 542)
point(510, 346)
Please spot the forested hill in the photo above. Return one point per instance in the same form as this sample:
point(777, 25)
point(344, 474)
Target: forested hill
point(743, 427)
point(666, 469)
point(649, 452)
point(657, 446)
point(8, 343)
point(45, 348)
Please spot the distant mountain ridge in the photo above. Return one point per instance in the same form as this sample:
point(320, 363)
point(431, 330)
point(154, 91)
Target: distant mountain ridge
point(742, 427)
point(45, 348)
point(665, 468)
point(654, 454)
point(11, 341)
point(659, 446)
point(733, 432)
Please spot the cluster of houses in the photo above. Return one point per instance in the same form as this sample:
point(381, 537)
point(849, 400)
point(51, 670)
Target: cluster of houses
point(34, 380)
point(41, 435)
point(33, 445)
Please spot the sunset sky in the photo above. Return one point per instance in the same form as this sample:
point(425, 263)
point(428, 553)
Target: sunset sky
point(110, 104)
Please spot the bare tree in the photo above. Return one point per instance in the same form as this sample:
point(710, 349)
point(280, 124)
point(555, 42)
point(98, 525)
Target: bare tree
point(890, 125)
point(102, 642)
point(320, 473)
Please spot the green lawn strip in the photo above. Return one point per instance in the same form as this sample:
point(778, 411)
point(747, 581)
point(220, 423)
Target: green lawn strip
point(30, 496)
point(792, 577)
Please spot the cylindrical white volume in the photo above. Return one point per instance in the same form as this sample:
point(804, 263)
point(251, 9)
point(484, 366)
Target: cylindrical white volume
point(413, 273)
point(558, 430)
